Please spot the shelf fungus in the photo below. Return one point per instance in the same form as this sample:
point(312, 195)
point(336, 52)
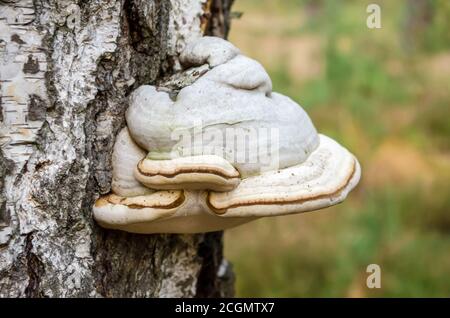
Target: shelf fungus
point(220, 150)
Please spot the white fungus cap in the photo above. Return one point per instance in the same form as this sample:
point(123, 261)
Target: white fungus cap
point(165, 185)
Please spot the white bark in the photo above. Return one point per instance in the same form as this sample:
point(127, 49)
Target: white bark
point(66, 69)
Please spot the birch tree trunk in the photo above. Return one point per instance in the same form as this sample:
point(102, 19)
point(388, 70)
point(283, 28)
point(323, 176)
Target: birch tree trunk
point(66, 69)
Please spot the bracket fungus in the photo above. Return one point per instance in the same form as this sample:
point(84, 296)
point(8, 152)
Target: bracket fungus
point(221, 151)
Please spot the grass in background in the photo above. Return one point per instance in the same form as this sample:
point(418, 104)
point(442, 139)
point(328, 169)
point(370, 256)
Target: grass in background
point(385, 95)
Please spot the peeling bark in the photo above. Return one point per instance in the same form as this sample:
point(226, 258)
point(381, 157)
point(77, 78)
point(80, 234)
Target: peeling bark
point(66, 70)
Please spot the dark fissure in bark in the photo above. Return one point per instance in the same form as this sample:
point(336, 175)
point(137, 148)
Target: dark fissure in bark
point(35, 269)
point(5, 167)
point(216, 278)
point(219, 22)
point(148, 37)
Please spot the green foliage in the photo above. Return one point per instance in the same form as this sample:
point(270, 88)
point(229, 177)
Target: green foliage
point(390, 230)
point(434, 121)
point(437, 35)
point(375, 86)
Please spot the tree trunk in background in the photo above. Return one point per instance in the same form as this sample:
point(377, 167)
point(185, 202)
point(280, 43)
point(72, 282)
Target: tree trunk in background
point(66, 69)
point(418, 17)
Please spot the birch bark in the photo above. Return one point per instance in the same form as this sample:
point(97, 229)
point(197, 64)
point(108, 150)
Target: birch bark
point(66, 69)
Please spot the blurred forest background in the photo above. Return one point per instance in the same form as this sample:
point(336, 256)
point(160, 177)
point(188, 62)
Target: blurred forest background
point(384, 94)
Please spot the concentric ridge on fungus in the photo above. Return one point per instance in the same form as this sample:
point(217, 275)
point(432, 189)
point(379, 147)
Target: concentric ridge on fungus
point(194, 173)
point(190, 191)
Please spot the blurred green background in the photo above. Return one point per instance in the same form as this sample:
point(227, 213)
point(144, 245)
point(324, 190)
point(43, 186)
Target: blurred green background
point(384, 94)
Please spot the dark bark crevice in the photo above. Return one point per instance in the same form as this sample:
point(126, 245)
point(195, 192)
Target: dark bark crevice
point(35, 269)
point(211, 282)
point(5, 167)
point(147, 26)
point(219, 21)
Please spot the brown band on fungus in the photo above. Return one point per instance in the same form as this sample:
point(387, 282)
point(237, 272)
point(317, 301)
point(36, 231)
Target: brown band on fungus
point(293, 201)
point(102, 201)
point(120, 200)
point(187, 170)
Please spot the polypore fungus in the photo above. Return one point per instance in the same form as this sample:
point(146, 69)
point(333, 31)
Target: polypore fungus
point(224, 151)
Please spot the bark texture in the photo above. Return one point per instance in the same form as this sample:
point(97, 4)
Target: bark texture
point(66, 70)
